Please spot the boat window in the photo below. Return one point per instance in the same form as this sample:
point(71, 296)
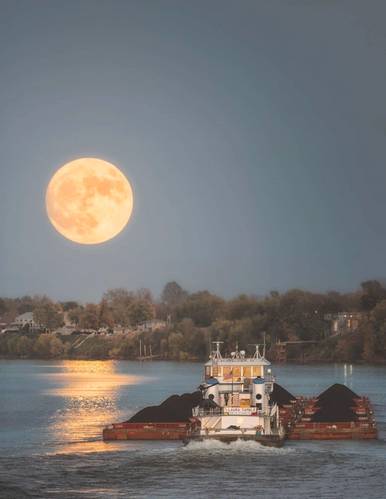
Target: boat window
point(256, 371)
point(237, 373)
point(216, 371)
point(207, 371)
point(245, 402)
point(247, 371)
point(227, 372)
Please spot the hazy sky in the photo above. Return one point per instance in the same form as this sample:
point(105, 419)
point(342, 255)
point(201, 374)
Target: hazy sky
point(253, 133)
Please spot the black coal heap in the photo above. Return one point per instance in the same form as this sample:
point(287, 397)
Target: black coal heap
point(335, 405)
point(175, 409)
point(281, 396)
point(336, 393)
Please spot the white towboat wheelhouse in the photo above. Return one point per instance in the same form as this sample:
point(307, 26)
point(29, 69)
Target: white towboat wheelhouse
point(236, 398)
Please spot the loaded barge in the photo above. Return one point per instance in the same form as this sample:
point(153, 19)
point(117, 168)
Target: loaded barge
point(239, 399)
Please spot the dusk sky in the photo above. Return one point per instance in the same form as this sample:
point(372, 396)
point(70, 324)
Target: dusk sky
point(253, 134)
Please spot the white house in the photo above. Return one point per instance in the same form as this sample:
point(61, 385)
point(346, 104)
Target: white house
point(25, 319)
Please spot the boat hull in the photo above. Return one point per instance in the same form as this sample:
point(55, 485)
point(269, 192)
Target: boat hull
point(333, 431)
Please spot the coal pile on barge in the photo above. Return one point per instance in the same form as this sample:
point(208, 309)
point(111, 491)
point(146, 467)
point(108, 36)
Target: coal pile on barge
point(337, 392)
point(336, 414)
point(336, 404)
point(176, 408)
point(281, 396)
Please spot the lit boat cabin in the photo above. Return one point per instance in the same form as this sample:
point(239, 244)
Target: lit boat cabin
point(226, 370)
point(237, 375)
point(237, 367)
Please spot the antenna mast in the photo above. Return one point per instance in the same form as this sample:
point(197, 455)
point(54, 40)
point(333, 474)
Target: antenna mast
point(257, 354)
point(216, 355)
point(264, 344)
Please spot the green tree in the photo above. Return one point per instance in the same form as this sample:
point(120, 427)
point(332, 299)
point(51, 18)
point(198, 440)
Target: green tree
point(106, 318)
point(75, 315)
point(140, 311)
point(24, 346)
point(143, 294)
point(173, 294)
point(89, 318)
point(241, 307)
point(378, 324)
point(26, 304)
point(202, 307)
point(369, 341)
point(42, 346)
point(118, 301)
point(124, 348)
point(372, 293)
point(12, 346)
point(349, 348)
point(56, 347)
point(3, 306)
point(69, 305)
point(176, 346)
point(48, 314)
point(163, 348)
point(195, 339)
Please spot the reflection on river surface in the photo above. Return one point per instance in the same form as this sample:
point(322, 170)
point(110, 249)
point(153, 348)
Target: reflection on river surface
point(89, 390)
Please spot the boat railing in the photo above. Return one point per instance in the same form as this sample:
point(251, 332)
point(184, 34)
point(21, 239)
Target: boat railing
point(206, 411)
point(219, 411)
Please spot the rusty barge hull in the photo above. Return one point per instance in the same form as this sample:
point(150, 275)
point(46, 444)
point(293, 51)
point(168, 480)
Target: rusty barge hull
point(298, 424)
point(148, 431)
point(333, 431)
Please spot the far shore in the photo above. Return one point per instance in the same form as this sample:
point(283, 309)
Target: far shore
point(380, 363)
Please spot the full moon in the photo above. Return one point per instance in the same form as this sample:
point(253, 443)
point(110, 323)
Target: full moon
point(89, 201)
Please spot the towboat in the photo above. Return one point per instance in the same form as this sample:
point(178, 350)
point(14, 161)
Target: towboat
point(236, 402)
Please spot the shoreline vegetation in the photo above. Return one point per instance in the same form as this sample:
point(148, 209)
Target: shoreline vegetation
point(294, 361)
point(298, 326)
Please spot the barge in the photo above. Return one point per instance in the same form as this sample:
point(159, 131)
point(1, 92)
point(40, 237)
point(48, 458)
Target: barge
point(150, 431)
point(362, 428)
point(237, 401)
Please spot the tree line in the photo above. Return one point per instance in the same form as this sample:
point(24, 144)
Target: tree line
point(193, 320)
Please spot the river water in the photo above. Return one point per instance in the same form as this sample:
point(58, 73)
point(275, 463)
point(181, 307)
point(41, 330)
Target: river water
point(52, 415)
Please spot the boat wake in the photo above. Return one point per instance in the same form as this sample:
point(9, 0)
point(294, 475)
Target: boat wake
point(215, 446)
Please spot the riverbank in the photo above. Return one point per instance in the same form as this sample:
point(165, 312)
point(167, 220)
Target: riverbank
point(172, 346)
point(309, 327)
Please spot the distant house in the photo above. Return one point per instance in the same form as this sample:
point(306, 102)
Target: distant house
point(25, 320)
point(152, 325)
point(343, 322)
